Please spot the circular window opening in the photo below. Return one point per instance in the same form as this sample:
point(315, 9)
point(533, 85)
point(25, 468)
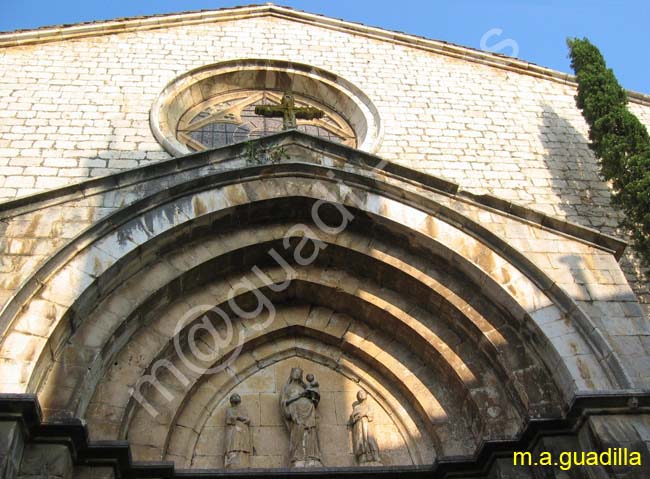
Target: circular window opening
point(215, 106)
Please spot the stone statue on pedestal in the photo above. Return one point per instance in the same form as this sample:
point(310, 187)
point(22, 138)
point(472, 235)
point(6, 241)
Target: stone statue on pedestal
point(298, 403)
point(366, 451)
point(238, 437)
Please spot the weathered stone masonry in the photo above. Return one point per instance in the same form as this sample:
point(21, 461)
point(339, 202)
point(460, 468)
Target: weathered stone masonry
point(76, 109)
point(476, 297)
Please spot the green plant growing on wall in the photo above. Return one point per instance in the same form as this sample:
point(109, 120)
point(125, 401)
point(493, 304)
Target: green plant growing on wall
point(618, 139)
point(260, 156)
point(251, 152)
point(277, 154)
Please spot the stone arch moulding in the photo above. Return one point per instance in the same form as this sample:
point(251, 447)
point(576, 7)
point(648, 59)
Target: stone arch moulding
point(468, 276)
point(197, 86)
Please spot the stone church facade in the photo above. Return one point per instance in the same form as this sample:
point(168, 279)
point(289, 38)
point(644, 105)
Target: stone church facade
point(417, 276)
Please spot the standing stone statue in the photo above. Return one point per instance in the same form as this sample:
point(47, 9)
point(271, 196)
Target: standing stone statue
point(298, 403)
point(364, 445)
point(238, 436)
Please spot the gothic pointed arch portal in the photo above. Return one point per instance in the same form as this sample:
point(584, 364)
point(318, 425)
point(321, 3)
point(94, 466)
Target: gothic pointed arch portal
point(232, 265)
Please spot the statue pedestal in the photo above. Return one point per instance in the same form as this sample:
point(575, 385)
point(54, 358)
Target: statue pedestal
point(308, 463)
point(237, 460)
point(371, 464)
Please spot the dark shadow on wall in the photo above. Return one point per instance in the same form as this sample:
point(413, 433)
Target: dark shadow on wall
point(585, 197)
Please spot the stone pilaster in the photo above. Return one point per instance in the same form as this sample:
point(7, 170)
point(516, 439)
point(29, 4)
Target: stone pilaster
point(12, 444)
point(46, 461)
point(503, 468)
point(616, 432)
point(89, 472)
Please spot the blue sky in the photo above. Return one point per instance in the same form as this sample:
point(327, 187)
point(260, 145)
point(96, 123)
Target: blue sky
point(535, 30)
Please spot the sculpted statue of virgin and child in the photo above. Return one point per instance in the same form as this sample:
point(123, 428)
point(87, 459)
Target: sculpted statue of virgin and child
point(298, 403)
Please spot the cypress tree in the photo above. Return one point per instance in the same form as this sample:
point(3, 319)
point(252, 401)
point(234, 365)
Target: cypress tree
point(617, 138)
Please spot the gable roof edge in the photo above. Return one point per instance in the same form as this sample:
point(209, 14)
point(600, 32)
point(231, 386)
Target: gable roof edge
point(153, 22)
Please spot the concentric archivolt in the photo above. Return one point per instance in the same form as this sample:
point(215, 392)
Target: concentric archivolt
point(440, 322)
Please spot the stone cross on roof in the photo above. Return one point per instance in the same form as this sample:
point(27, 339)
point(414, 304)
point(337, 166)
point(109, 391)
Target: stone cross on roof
point(289, 112)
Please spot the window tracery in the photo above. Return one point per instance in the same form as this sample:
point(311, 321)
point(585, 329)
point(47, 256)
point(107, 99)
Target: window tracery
point(230, 118)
